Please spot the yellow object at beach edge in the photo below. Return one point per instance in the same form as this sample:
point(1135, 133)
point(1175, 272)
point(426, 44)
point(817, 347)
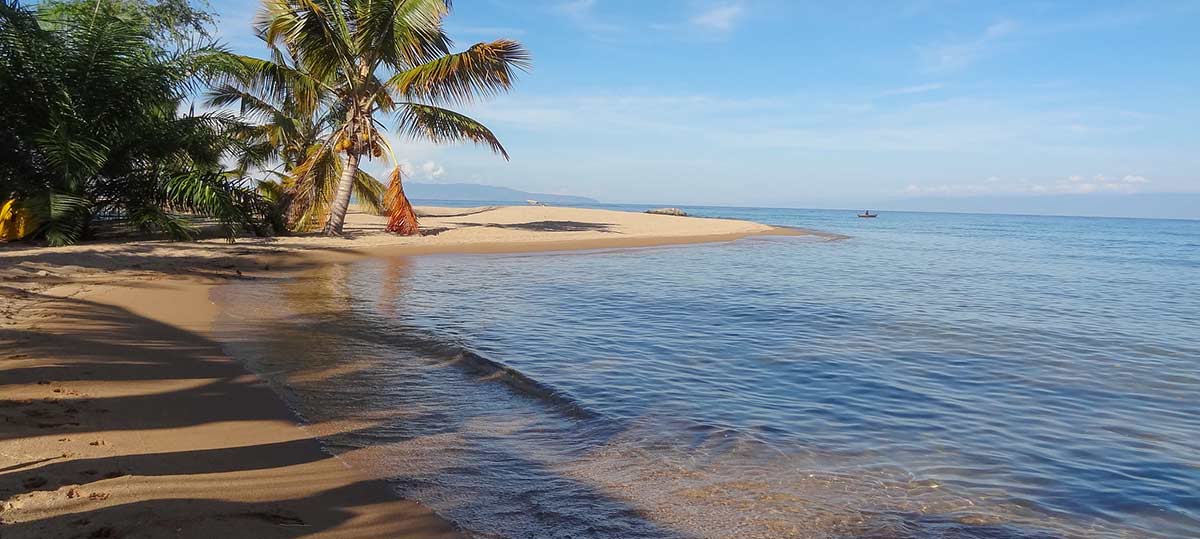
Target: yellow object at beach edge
point(14, 223)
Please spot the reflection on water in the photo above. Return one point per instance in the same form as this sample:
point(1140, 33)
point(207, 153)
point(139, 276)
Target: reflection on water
point(997, 377)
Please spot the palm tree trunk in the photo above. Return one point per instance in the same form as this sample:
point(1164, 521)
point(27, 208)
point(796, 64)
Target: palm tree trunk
point(341, 199)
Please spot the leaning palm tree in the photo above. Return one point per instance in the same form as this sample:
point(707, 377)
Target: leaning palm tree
point(287, 144)
point(376, 57)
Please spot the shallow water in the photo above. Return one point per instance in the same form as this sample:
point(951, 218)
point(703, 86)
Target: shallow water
point(934, 375)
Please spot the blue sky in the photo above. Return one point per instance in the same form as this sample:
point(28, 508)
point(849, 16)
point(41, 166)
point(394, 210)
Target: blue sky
point(779, 102)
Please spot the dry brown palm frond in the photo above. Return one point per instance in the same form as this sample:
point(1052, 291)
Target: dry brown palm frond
point(402, 219)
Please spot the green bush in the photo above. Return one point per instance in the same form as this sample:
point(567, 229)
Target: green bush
point(94, 122)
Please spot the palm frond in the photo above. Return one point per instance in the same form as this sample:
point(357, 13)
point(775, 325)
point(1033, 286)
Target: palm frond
point(208, 195)
point(311, 186)
point(401, 33)
point(318, 28)
point(483, 70)
point(150, 218)
point(402, 219)
point(63, 217)
point(440, 125)
point(369, 193)
point(274, 81)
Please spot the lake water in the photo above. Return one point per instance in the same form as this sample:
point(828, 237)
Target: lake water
point(934, 375)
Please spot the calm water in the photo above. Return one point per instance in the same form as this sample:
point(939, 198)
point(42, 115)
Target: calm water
point(932, 376)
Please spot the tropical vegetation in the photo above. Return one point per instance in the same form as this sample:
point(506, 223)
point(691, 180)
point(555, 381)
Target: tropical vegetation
point(94, 124)
point(97, 123)
point(345, 63)
point(287, 145)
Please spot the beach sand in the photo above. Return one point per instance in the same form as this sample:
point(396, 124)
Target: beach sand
point(121, 418)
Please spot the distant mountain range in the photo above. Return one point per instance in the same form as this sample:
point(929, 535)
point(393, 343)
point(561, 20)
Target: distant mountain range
point(484, 193)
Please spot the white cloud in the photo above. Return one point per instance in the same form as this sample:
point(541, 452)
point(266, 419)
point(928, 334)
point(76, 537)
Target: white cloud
point(947, 190)
point(1101, 184)
point(577, 8)
point(916, 89)
point(717, 20)
point(720, 18)
point(798, 122)
point(583, 14)
point(428, 171)
point(960, 54)
point(1000, 29)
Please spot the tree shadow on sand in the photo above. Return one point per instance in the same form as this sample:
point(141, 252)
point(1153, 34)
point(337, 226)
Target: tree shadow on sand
point(184, 389)
point(179, 383)
point(548, 226)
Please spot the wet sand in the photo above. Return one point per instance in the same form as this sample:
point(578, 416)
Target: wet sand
point(121, 417)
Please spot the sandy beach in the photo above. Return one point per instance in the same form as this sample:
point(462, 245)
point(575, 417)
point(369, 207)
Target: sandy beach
point(122, 418)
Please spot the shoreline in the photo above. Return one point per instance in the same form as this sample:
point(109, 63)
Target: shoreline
point(122, 413)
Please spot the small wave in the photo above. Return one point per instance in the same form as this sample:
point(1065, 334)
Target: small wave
point(451, 353)
point(494, 371)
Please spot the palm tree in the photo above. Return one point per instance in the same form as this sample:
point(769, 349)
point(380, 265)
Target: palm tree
point(288, 143)
point(363, 57)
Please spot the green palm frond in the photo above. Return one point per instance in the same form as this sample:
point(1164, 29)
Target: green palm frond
point(369, 193)
point(401, 33)
point(483, 70)
point(311, 186)
point(275, 80)
point(440, 125)
point(150, 218)
point(209, 195)
point(316, 27)
point(271, 190)
point(63, 217)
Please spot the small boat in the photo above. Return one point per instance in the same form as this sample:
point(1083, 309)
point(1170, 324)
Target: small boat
point(868, 215)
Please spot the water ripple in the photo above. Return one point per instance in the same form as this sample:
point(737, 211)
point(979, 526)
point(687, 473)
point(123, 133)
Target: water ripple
point(933, 376)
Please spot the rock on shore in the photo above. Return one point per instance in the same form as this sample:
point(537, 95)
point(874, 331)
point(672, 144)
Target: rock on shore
point(668, 211)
